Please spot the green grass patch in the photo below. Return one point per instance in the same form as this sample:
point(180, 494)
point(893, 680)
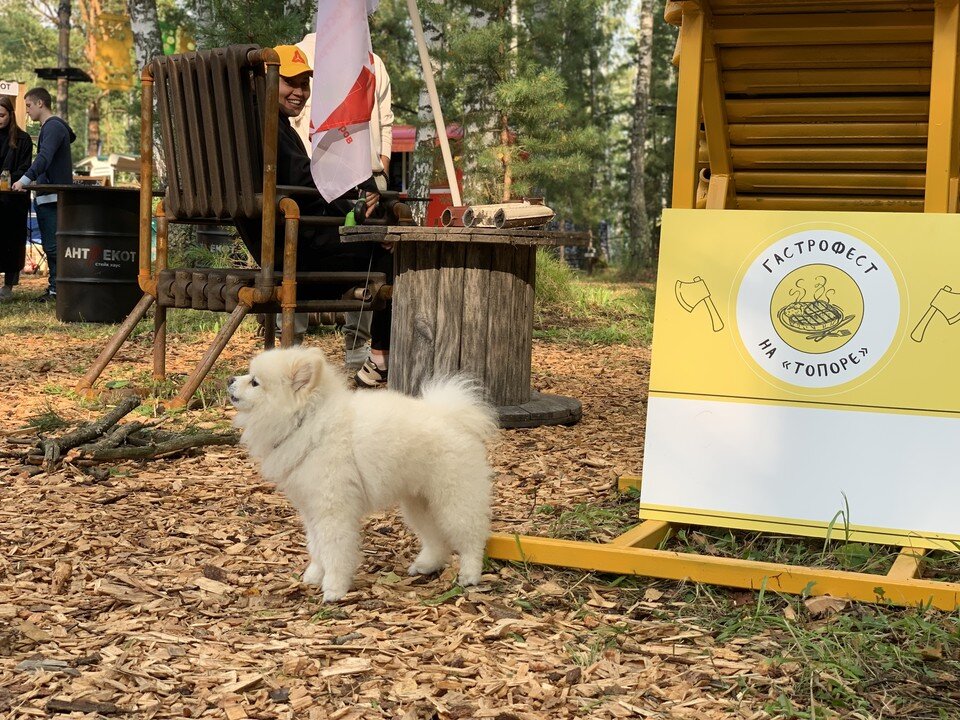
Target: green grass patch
point(597, 310)
point(592, 521)
point(863, 661)
point(22, 316)
point(47, 421)
point(858, 660)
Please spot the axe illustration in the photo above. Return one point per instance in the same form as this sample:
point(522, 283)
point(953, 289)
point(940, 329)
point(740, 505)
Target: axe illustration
point(947, 303)
point(691, 294)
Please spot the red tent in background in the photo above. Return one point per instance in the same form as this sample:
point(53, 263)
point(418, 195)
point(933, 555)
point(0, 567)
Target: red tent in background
point(401, 167)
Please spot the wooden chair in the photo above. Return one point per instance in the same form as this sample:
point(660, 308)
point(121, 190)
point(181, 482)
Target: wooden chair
point(218, 112)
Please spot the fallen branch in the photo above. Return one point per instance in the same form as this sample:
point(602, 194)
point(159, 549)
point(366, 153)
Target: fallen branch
point(116, 438)
point(177, 443)
point(53, 448)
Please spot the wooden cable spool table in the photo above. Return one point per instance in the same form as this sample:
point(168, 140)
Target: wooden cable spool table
point(463, 303)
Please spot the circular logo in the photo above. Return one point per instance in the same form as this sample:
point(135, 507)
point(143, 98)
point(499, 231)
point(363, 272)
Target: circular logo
point(818, 308)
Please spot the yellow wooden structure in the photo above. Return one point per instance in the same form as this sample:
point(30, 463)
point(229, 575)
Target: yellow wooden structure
point(800, 105)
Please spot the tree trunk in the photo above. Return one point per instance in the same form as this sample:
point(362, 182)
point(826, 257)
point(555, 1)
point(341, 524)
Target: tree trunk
point(505, 141)
point(482, 182)
point(204, 12)
point(63, 58)
point(425, 151)
point(147, 44)
point(640, 250)
point(93, 127)
point(147, 41)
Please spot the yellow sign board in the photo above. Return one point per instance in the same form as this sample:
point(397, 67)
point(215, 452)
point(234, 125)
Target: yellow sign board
point(109, 50)
point(804, 374)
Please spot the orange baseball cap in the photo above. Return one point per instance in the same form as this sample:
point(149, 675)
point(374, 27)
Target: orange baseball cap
point(293, 61)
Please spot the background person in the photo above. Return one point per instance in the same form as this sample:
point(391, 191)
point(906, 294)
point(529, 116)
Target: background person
point(52, 166)
point(356, 329)
point(16, 152)
point(318, 246)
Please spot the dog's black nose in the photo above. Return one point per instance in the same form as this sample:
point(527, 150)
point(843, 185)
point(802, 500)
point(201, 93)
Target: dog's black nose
point(230, 380)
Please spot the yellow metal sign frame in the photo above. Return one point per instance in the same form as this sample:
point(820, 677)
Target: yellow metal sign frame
point(635, 553)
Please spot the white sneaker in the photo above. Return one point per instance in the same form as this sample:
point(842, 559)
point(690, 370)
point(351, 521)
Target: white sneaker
point(354, 358)
point(371, 376)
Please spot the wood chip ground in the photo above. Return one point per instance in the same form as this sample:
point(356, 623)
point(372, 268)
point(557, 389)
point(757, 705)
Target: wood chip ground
point(170, 589)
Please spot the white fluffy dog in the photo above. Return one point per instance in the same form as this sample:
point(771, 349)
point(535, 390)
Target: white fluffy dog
point(338, 455)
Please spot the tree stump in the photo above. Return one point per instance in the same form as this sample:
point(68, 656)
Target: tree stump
point(463, 303)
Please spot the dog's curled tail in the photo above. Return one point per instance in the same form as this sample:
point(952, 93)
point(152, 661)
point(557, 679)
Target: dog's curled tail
point(462, 397)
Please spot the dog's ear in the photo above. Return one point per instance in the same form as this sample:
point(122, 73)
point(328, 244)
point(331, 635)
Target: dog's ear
point(305, 372)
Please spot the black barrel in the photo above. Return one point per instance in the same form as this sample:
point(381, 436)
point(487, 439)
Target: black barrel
point(97, 253)
point(215, 237)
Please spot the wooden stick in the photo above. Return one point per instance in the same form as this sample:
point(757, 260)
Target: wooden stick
point(114, 439)
point(176, 444)
point(53, 448)
point(434, 102)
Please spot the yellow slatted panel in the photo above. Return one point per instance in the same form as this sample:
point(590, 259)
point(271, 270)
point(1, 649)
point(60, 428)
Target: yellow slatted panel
point(832, 109)
point(829, 203)
point(826, 56)
point(833, 183)
point(841, 133)
point(820, 81)
point(824, 29)
point(741, 7)
point(877, 157)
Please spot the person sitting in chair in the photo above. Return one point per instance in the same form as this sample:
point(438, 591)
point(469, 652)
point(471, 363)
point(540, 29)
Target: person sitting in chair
point(318, 246)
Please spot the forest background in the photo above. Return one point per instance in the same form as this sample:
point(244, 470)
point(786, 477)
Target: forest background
point(572, 100)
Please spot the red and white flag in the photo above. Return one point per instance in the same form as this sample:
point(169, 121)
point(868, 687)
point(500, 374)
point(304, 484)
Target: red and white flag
point(343, 96)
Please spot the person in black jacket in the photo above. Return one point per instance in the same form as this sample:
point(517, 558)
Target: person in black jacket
point(318, 246)
point(51, 166)
point(16, 151)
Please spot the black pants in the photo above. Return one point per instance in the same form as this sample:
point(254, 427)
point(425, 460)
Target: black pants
point(320, 250)
point(13, 236)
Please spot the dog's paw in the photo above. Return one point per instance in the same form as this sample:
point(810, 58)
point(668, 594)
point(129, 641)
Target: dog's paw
point(468, 578)
point(429, 561)
point(313, 575)
point(419, 567)
point(334, 594)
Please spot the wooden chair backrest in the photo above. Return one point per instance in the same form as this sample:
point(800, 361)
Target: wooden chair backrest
point(210, 107)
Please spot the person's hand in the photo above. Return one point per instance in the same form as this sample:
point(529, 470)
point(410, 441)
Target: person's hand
point(373, 199)
point(18, 185)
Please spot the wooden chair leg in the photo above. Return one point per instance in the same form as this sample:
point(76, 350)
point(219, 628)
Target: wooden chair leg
point(84, 387)
point(287, 329)
point(160, 344)
point(269, 331)
point(210, 357)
